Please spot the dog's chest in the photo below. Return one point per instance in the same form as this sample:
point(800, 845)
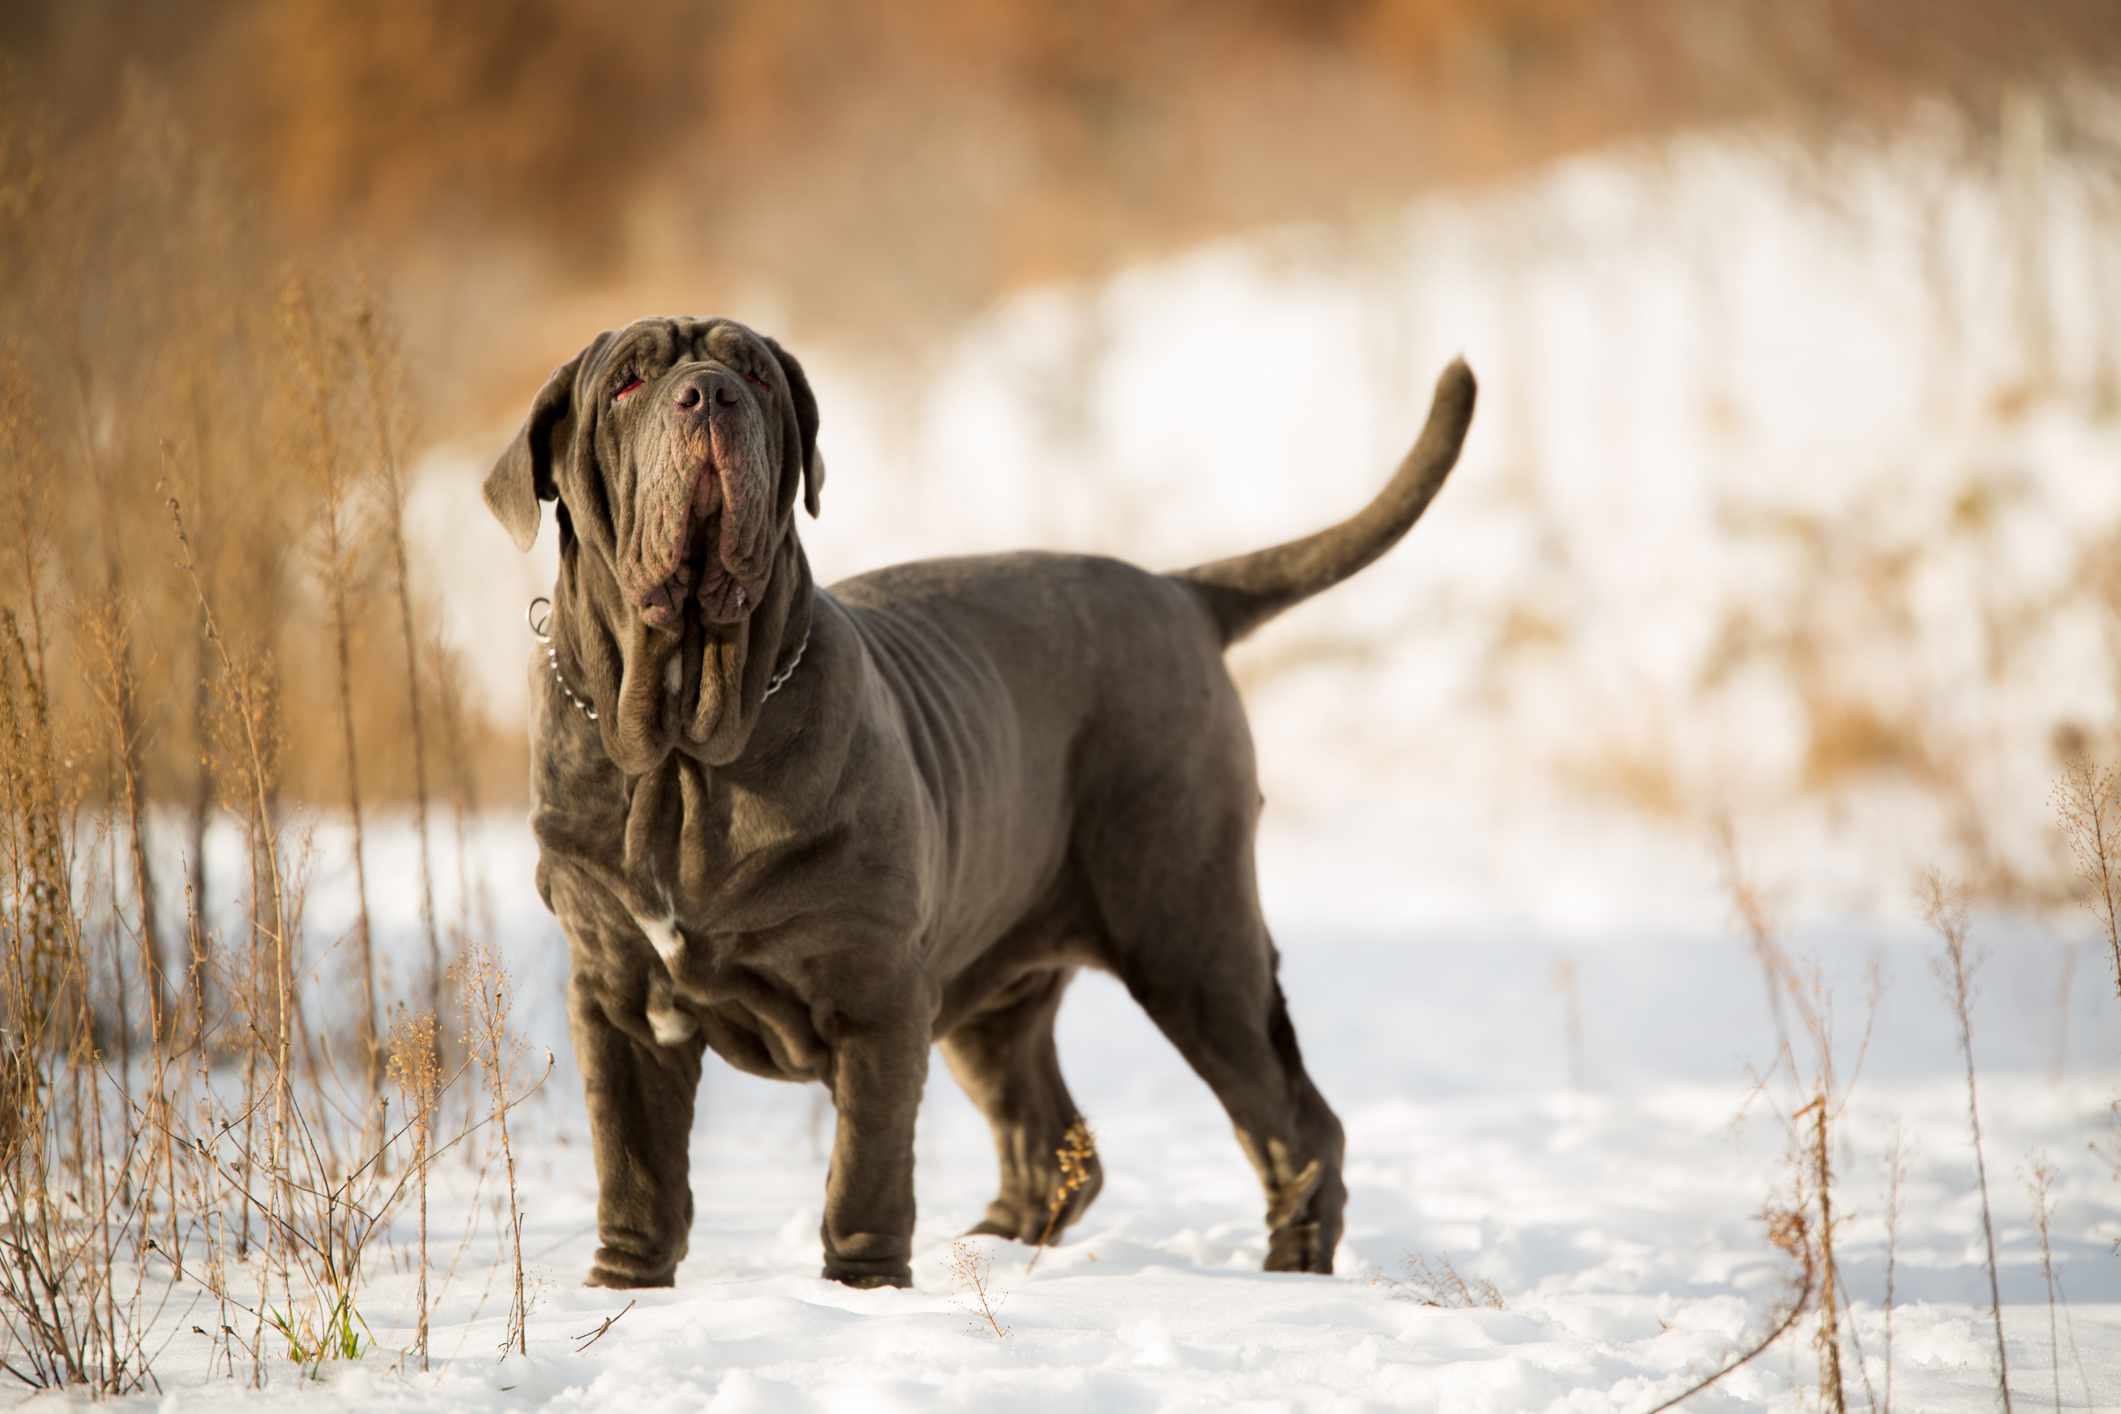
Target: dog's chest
point(755, 1018)
point(676, 843)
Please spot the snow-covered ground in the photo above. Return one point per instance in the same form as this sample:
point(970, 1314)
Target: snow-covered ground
point(1608, 1189)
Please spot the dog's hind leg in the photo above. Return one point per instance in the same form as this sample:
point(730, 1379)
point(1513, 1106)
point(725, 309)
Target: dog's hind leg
point(1230, 1022)
point(1004, 1059)
point(1184, 933)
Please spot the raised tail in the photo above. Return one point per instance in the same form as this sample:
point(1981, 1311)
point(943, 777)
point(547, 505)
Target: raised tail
point(1245, 591)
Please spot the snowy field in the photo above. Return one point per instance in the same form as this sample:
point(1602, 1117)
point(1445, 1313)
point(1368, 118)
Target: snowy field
point(1609, 1191)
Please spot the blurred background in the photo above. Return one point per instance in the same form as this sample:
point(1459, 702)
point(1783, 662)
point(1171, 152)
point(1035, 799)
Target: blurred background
point(1791, 515)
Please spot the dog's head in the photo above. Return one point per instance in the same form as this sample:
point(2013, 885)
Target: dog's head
point(675, 448)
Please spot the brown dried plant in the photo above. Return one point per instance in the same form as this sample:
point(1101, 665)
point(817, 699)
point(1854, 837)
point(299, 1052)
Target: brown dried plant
point(1815, 1103)
point(1828, 1339)
point(416, 1069)
point(1944, 907)
point(380, 367)
point(1776, 971)
point(972, 1270)
point(1073, 1156)
point(337, 513)
point(2040, 1180)
point(1787, 1233)
point(108, 630)
point(1439, 1284)
point(1895, 1180)
point(2088, 802)
point(483, 987)
point(2039, 1183)
point(474, 913)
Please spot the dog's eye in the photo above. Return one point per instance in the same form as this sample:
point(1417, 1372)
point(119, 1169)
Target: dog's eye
point(625, 389)
point(756, 381)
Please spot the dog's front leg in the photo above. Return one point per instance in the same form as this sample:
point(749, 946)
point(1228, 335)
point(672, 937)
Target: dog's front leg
point(876, 1079)
point(640, 1096)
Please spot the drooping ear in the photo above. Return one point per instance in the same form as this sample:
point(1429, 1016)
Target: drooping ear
point(806, 427)
point(523, 476)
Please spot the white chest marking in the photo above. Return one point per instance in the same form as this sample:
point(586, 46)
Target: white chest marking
point(664, 1019)
point(670, 1025)
point(663, 936)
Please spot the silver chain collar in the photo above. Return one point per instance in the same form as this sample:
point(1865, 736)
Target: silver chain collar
point(540, 623)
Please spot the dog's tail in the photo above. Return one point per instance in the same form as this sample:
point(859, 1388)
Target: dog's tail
point(1244, 592)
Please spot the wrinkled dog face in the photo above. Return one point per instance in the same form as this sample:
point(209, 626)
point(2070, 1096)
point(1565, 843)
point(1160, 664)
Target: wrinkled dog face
point(689, 441)
point(675, 448)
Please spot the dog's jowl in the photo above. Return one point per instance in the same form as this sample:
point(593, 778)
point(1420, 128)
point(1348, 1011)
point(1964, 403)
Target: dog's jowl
point(819, 831)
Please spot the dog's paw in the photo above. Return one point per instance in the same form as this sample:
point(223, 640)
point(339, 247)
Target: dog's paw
point(1011, 1220)
point(1021, 1218)
point(1299, 1247)
point(868, 1275)
point(622, 1271)
point(620, 1281)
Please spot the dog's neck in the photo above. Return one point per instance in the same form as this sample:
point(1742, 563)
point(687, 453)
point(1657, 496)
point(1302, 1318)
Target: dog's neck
point(596, 658)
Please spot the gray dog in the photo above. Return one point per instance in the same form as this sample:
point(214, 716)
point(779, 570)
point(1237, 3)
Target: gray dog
point(821, 830)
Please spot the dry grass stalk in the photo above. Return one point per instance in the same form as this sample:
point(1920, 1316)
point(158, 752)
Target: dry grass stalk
point(2042, 1180)
point(1828, 1339)
point(474, 915)
point(1945, 911)
point(1787, 1234)
point(2088, 800)
point(483, 986)
point(416, 1068)
point(203, 785)
point(2039, 1182)
point(119, 1026)
point(109, 631)
point(213, 1218)
point(1830, 1096)
point(1073, 1154)
point(380, 365)
point(27, 462)
point(1775, 968)
point(336, 517)
point(1822, 1096)
point(592, 1336)
point(1895, 1179)
point(972, 1271)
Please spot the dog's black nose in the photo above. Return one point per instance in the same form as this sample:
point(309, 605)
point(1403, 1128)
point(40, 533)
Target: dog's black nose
point(696, 392)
